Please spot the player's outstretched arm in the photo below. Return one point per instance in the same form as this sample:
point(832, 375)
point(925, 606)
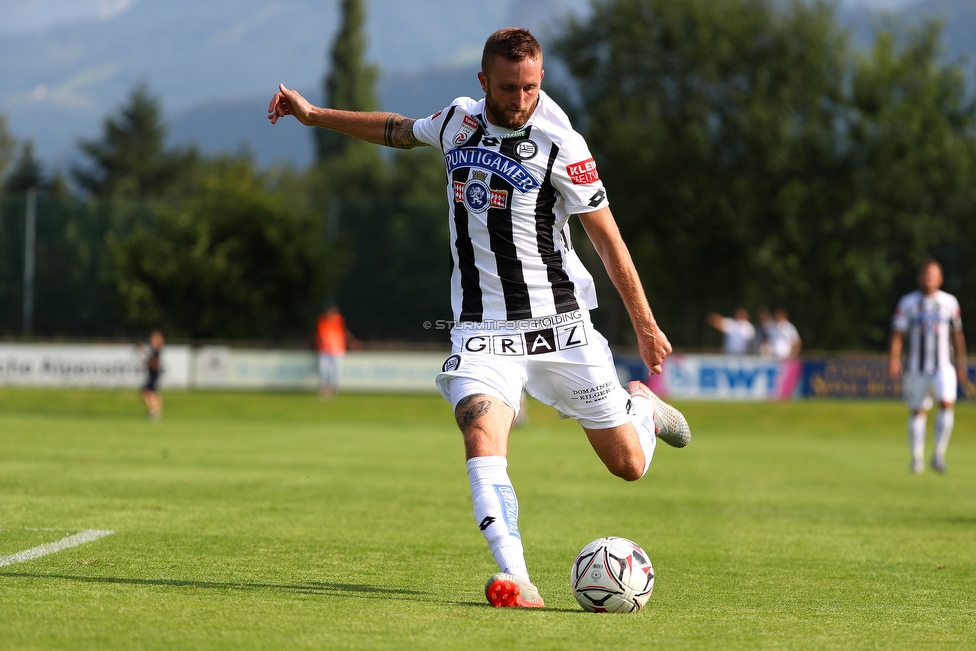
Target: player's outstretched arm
point(716, 321)
point(602, 230)
point(379, 128)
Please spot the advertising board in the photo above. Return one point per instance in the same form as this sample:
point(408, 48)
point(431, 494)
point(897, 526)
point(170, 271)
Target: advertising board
point(727, 377)
point(90, 365)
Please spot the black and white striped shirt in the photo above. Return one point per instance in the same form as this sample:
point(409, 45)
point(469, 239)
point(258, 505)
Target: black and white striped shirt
point(511, 194)
point(928, 320)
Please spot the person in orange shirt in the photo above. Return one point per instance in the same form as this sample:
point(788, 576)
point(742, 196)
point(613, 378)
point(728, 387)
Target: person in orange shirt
point(331, 340)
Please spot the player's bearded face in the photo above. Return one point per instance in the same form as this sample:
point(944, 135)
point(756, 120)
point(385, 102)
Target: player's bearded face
point(511, 91)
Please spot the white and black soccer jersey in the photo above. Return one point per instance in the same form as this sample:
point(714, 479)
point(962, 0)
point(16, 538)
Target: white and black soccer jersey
point(511, 194)
point(928, 321)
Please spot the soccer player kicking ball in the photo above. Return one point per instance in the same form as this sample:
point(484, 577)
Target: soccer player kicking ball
point(516, 172)
point(928, 316)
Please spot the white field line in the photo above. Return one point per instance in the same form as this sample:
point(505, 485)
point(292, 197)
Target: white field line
point(87, 536)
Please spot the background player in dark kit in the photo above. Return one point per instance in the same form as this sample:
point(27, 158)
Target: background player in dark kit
point(150, 391)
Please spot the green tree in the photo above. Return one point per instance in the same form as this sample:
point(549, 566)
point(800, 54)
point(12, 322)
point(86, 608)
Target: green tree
point(27, 172)
point(385, 211)
point(231, 261)
point(701, 111)
point(8, 146)
point(349, 177)
point(350, 83)
point(751, 158)
point(913, 150)
point(904, 144)
point(130, 159)
point(398, 276)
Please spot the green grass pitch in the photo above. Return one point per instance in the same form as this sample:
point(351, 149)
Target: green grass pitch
point(279, 521)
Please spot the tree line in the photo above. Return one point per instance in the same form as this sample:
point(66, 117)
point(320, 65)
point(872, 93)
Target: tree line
point(752, 156)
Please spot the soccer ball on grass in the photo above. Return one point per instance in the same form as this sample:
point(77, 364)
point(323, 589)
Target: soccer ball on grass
point(612, 575)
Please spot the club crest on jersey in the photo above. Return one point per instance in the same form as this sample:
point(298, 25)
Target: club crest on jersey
point(583, 172)
point(491, 161)
point(476, 196)
point(526, 150)
point(451, 364)
point(468, 127)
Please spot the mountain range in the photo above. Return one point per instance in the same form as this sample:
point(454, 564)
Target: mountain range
point(214, 65)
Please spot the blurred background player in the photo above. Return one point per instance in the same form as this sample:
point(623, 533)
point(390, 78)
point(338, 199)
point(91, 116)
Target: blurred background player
point(517, 171)
point(150, 391)
point(764, 328)
point(784, 341)
point(928, 315)
point(738, 333)
point(332, 338)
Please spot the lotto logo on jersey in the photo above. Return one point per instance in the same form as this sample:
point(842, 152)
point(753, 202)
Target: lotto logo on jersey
point(583, 172)
point(468, 127)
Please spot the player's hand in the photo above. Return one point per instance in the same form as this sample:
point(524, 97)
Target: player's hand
point(288, 102)
point(654, 347)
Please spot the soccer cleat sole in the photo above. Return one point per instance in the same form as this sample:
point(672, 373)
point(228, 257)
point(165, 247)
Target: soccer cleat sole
point(505, 591)
point(670, 424)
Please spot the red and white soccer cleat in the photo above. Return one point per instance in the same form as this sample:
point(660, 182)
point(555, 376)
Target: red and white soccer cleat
point(510, 591)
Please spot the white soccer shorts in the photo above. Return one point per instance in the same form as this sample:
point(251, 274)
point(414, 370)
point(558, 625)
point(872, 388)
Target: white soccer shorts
point(561, 361)
point(922, 390)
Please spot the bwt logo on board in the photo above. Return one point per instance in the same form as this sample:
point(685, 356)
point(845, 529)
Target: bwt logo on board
point(737, 377)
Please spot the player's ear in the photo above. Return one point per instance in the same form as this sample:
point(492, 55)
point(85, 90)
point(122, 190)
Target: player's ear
point(483, 78)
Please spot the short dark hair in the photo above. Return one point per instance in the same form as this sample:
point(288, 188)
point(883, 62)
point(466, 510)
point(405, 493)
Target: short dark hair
point(928, 262)
point(513, 43)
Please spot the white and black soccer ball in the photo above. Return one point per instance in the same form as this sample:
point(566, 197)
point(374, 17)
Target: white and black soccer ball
point(612, 575)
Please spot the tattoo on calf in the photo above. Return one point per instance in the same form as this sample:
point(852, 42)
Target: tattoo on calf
point(471, 409)
point(398, 133)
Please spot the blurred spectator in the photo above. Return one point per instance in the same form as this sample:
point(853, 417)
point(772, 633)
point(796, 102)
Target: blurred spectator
point(150, 391)
point(738, 332)
point(332, 338)
point(784, 340)
point(764, 329)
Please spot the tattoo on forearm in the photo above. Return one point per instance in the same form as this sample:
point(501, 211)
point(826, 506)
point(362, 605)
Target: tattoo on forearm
point(471, 409)
point(398, 133)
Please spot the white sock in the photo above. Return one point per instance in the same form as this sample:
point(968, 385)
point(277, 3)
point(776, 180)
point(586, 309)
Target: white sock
point(916, 435)
point(944, 420)
point(642, 415)
point(496, 512)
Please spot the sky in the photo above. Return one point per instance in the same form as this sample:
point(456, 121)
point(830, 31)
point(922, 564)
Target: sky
point(64, 96)
point(25, 16)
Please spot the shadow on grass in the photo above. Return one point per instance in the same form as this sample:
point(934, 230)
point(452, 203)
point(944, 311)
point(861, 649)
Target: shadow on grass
point(312, 587)
point(547, 609)
point(322, 588)
point(968, 521)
